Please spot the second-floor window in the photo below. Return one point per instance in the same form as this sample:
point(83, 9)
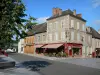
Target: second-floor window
point(77, 25)
point(89, 38)
point(78, 36)
point(62, 24)
point(83, 27)
point(50, 27)
point(50, 37)
point(72, 35)
point(38, 39)
point(56, 36)
point(62, 35)
point(72, 23)
point(44, 37)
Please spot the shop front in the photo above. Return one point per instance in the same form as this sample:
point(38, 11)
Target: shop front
point(73, 49)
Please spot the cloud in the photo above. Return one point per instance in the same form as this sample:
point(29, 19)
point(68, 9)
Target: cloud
point(97, 22)
point(42, 19)
point(96, 3)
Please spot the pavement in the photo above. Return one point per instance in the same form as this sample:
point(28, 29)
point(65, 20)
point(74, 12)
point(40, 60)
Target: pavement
point(10, 69)
point(58, 67)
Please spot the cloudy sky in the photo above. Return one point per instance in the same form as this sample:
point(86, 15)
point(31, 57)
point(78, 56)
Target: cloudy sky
point(42, 9)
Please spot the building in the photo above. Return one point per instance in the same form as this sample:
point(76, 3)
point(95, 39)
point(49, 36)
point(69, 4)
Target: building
point(29, 44)
point(21, 46)
point(65, 31)
point(95, 42)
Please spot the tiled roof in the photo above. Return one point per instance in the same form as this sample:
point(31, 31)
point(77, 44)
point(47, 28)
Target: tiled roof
point(66, 12)
point(94, 33)
point(38, 29)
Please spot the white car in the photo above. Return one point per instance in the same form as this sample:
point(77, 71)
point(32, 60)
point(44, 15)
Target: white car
point(11, 50)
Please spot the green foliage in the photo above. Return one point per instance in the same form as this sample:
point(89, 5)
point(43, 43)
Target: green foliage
point(11, 20)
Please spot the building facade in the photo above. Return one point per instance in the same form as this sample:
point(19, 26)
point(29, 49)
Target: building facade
point(21, 46)
point(29, 45)
point(64, 31)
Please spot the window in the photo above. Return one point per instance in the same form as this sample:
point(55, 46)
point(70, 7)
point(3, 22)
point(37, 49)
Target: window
point(50, 37)
point(89, 38)
point(72, 35)
point(78, 36)
point(56, 36)
point(77, 25)
point(38, 38)
point(56, 25)
point(62, 35)
point(62, 24)
point(72, 23)
point(44, 37)
point(83, 27)
point(50, 27)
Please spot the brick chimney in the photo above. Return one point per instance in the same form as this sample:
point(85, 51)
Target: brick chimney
point(57, 11)
point(79, 15)
point(74, 12)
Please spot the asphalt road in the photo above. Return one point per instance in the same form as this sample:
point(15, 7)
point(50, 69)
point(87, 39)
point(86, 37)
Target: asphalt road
point(47, 67)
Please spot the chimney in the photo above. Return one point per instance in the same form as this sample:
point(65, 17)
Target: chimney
point(74, 12)
point(57, 11)
point(79, 15)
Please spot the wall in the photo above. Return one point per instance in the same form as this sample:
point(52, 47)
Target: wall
point(29, 45)
point(21, 46)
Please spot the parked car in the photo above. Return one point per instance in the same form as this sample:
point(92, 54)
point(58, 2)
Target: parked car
point(10, 50)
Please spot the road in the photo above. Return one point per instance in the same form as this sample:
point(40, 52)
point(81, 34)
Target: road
point(47, 67)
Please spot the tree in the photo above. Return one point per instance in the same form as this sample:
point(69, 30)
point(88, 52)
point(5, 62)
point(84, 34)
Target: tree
point(11, 20)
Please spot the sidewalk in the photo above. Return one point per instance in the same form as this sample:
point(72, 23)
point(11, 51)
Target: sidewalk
point(55, 58)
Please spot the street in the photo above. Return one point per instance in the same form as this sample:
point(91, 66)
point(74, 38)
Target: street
point(47, 67)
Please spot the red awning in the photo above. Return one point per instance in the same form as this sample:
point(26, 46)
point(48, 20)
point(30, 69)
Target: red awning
point(52, 46)
point(38, 46)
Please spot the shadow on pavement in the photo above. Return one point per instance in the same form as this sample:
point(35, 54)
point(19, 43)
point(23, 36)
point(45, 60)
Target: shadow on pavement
point(35, 65)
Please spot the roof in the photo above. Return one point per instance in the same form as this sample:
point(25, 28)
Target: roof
point(38, 29)
point(94, 33)
point(66, 12)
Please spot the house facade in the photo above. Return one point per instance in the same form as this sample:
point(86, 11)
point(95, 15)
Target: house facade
point(65, 31)
point(29, 45)
point(21, 46)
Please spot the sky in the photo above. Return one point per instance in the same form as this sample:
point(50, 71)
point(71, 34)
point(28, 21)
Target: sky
point(42, 9)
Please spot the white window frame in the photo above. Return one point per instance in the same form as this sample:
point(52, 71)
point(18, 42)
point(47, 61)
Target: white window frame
point(62, 23)
point(56, 36)
point(83, 27)
point(78, 25)
point(78, 36)
point(50, 37)
point(72, 35)
point(62, 35)
point(72, 23)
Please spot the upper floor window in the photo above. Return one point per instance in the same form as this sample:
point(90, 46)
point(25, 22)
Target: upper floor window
point(89, 38)
point(50, 27)
point(78, 36)
point(72, 35)
point(62, 35)
point(38, 39)
point(72, 23)
point(62, 23)
point(50, 37)
point(83, 27)
point(56, 36)
point(44, 37)
point(56, 25)
point(77, 25)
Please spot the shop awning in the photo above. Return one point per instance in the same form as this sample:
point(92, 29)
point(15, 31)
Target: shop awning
point(52, 46)
point(38, 46)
